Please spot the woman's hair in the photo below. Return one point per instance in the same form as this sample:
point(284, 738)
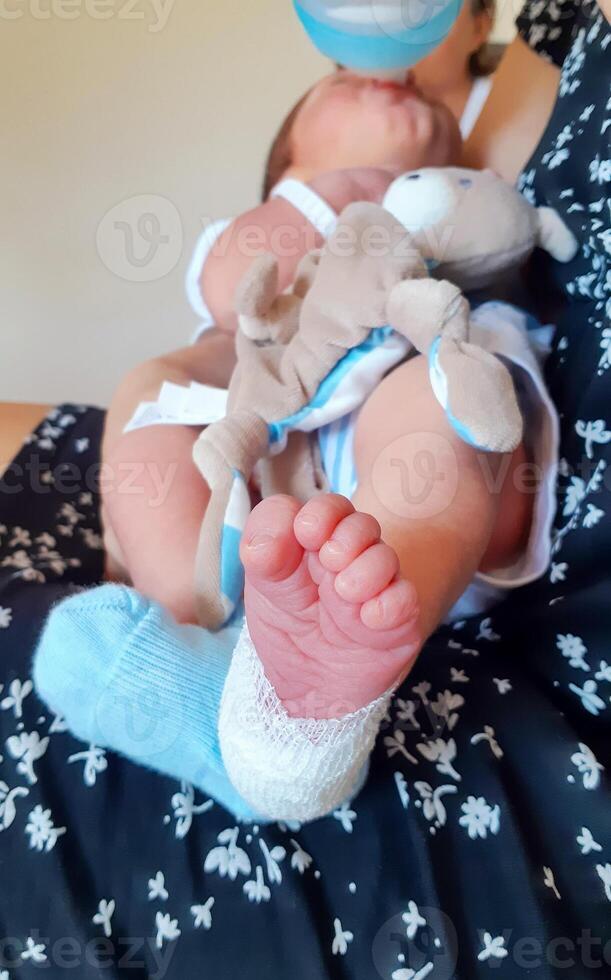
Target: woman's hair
point(481, 61)
point(280, 156)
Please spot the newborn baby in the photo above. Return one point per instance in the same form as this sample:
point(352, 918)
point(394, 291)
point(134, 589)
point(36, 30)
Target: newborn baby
point(340, 594)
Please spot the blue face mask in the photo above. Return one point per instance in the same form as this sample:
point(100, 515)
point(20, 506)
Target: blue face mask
point(377, 37)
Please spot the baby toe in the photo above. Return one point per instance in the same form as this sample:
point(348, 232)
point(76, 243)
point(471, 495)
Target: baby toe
point(368, 574)
point(394, 607)
point(269, 549)
point(352, 536)
point(317, 520)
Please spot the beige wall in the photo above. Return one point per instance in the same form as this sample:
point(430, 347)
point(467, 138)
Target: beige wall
point(168, 106)
point(100, 111)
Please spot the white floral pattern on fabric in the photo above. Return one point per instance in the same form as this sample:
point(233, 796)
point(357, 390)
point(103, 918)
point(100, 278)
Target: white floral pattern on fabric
point(493, 947)
point(41, 830)
point(157, 889)
point(8, 809)
point(479, 818)
point(95, 763)
point(103, 917)
point(202, 915)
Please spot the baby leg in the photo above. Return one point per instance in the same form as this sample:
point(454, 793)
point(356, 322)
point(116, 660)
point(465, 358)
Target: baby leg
point(448, 509)
point(339, 602)
point(154, 497)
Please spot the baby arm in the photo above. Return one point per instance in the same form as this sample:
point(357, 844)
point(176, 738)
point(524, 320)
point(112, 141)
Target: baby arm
point(279, 228)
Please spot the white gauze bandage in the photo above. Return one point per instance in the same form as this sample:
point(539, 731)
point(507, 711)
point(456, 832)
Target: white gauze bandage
point(290, 768)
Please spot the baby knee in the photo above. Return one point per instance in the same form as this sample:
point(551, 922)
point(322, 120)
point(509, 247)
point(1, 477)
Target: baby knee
point(146, 378)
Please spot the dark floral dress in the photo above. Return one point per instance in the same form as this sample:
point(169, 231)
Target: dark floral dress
point(481, 844)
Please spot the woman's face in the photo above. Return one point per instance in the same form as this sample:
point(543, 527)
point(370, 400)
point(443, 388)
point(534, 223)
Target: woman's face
point(350, 121)
point(442, 71)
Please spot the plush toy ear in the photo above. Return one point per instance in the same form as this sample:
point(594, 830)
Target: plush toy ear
point(255, 297)
point(555, 237)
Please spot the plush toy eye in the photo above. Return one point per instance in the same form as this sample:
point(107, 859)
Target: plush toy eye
point(465, 182)
point(413, 177)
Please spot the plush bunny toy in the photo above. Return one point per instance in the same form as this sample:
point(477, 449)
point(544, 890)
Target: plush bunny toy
point(357, 308)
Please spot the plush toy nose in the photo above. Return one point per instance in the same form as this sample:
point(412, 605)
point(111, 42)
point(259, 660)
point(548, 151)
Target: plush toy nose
point(420, 199)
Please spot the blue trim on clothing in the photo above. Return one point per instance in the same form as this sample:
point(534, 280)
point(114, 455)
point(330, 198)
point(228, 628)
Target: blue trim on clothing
point(328, 387)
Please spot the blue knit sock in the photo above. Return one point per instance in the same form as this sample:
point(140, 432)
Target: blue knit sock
point(127, 677)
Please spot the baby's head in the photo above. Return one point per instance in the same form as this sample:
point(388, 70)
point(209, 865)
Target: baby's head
point(347, 121)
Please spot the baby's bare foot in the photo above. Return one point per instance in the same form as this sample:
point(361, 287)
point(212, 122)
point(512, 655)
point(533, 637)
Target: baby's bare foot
point(332, 620)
